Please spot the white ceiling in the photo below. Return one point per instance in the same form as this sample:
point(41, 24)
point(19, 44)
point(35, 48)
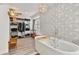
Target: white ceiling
point(26, 7)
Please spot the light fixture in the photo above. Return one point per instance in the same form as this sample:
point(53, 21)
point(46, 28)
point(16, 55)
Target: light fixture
point(13, 12)
point(43, 8)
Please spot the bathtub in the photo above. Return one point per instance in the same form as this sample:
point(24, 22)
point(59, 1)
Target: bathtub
point(62, 47)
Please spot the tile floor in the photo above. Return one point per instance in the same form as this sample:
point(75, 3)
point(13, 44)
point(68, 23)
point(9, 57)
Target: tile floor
point(25, 46)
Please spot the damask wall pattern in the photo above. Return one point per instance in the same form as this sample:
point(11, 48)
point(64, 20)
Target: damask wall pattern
point(62, 21)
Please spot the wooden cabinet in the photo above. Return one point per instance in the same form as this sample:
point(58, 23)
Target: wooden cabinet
point(13, 43)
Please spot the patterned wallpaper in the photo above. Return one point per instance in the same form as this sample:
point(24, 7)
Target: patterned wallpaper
point(62, 21)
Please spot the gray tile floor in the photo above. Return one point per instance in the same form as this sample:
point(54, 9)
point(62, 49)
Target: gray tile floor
point(25, 46)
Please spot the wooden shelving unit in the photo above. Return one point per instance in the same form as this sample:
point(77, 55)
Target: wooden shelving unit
point(13, 34)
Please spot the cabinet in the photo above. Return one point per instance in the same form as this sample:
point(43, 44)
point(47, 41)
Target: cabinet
point(13, 34)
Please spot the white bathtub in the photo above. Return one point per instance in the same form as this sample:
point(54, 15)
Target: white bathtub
point(45, 47)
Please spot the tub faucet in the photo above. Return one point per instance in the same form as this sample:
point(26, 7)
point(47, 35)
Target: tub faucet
point(53, 41)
